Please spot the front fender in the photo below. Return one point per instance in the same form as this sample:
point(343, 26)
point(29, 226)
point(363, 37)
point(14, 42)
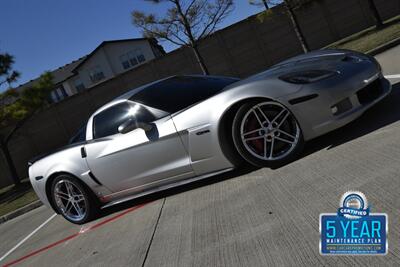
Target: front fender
point(69, 161)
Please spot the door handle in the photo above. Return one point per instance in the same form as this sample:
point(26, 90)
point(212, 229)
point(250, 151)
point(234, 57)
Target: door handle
point(83, 152)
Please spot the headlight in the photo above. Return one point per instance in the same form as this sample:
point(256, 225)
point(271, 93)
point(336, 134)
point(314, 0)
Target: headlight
point(307, 76)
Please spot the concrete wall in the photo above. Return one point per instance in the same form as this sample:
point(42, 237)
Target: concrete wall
point(239, 50)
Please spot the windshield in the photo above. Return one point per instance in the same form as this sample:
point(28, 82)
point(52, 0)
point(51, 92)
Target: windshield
point(176, 93)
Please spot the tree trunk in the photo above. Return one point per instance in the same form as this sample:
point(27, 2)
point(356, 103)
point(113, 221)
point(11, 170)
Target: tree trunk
point(296, 28)
point(200, 60)
point(375, 13)
point(10, 163)
point(265, 4)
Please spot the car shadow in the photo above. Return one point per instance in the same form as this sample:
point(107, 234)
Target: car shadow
point(382, 114)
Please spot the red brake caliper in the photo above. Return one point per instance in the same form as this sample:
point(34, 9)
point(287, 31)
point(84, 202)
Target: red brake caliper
point(258, 144)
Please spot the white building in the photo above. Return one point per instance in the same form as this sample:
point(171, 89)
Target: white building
point(108, 60)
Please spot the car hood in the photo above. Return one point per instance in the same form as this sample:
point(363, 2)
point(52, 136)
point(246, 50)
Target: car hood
point(320, 59)
point(44, 155)
point(318, 55)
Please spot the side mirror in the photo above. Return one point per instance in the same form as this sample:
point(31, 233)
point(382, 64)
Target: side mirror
point(131, 125)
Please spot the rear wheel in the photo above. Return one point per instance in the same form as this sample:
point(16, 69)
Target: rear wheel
point(266, 134)
point(72, 200)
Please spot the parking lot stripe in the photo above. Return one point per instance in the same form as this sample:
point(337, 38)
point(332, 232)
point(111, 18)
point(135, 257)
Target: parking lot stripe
point(52, 245)
point(395, 76)
point(27, 237)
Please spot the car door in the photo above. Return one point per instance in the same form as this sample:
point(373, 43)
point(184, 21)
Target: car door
point(138, 158)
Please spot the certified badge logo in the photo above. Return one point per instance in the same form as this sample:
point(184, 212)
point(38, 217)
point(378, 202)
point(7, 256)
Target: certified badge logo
point(353, 230)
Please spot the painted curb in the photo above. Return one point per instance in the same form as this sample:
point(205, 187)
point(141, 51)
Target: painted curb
point(20, 211)
point(384, 47)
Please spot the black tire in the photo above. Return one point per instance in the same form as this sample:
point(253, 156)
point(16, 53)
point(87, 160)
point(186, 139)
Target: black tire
point(251, 157)
point(91, 206)
point(227, 145)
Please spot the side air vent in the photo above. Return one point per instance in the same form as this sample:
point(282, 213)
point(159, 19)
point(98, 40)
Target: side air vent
point(94, 178)
point(298, 100)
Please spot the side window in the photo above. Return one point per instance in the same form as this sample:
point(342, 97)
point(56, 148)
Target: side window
point(107, 122)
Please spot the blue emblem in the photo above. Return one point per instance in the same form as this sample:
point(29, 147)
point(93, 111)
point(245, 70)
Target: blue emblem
point(354, 205)
point(353, 230)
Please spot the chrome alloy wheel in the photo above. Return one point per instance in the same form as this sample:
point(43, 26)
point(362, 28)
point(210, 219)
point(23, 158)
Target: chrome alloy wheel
point(269, 131)
point(70, 200)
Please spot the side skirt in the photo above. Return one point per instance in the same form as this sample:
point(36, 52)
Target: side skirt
point(164, 187)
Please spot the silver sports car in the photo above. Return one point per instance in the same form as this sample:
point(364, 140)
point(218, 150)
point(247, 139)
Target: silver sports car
point(184, 128)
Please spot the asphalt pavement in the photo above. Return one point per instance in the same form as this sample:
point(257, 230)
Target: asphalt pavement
point(257, 217)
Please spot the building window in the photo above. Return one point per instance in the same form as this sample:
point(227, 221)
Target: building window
point(132, 58)
point(79, 85)
point(139, 55)
point(58, 94)
point(96, 74)
point(125, 61)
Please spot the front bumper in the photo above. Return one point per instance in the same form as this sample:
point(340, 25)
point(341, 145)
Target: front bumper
point(40, 189)
point(360, 101)
point(337, 106)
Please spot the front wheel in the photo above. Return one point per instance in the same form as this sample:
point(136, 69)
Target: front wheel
point(266, 134)
point(72, 200)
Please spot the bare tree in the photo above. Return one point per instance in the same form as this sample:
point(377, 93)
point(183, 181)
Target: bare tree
point(264, 3)
point(185, 23)
point(290, 5)
point(375, 13)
